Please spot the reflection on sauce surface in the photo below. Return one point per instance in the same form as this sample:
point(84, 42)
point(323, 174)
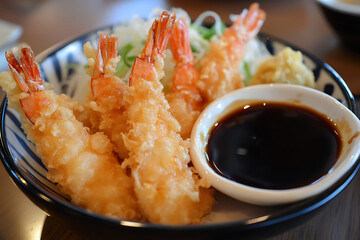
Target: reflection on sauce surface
point(273, 146)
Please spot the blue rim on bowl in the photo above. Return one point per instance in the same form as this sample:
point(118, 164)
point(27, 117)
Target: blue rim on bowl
point(32, 181)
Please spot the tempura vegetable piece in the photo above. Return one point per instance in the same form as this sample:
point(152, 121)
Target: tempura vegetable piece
point(285, 67)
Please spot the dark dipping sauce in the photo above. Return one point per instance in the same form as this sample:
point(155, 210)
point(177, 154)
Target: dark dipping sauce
point(273, 146)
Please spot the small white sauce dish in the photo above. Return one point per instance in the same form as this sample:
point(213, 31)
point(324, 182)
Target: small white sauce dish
point(347, 122)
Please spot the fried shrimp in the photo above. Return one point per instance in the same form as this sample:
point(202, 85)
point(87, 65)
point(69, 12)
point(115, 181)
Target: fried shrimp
point(82, 164)
point(219, 68)
point(108, 90)
point(184, 97)
point(167, 189)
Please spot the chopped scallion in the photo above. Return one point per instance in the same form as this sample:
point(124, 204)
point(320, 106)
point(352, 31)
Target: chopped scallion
point(248, 75)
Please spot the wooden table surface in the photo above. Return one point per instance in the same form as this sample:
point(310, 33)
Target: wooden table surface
point(47, 22)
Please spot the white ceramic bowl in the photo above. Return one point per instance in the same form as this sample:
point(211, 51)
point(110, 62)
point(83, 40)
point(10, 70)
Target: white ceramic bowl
point(348, 126)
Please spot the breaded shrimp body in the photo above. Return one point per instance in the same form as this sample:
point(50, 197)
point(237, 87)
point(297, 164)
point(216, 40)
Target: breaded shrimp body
point(83, 113)
point(219, 69)
point(108, 90)
point(82, 164)
point(167, 189)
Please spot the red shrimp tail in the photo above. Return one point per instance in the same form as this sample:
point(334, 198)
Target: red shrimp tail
point(180, 44)
point(107, 49)
point(31, 70)
point(28, 78)
point(26, 74)
point(158, 36)
point(251, 19)
point(16, 71)
point(155, 47)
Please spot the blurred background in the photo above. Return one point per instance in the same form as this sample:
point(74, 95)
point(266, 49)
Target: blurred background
point(301, 22)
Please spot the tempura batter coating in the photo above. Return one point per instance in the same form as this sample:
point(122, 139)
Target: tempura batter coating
point(82, 164)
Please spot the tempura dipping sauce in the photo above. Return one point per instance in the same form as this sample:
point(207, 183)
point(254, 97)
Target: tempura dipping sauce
point(273, 146)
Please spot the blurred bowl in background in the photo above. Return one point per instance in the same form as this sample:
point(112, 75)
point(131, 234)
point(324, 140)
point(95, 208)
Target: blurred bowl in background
point(344, 17)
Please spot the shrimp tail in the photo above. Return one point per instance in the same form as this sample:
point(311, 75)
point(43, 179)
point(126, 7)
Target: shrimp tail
point(29, 80)
point(251, 19)
point(26, 75)
point(107, 49)
point(154, 48)
point(105, 66)
point(185, 73)
point(179, 43)
point(158, 36)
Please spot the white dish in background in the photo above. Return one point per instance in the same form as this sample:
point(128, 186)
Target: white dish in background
point(9, 34)
point(344, 18)
point(342, 6)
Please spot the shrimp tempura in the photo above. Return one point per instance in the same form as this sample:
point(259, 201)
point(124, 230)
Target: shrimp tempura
point(167, 189)
point(184, 97)
point(219, 69)
point(82, 164)
point(108, 90)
